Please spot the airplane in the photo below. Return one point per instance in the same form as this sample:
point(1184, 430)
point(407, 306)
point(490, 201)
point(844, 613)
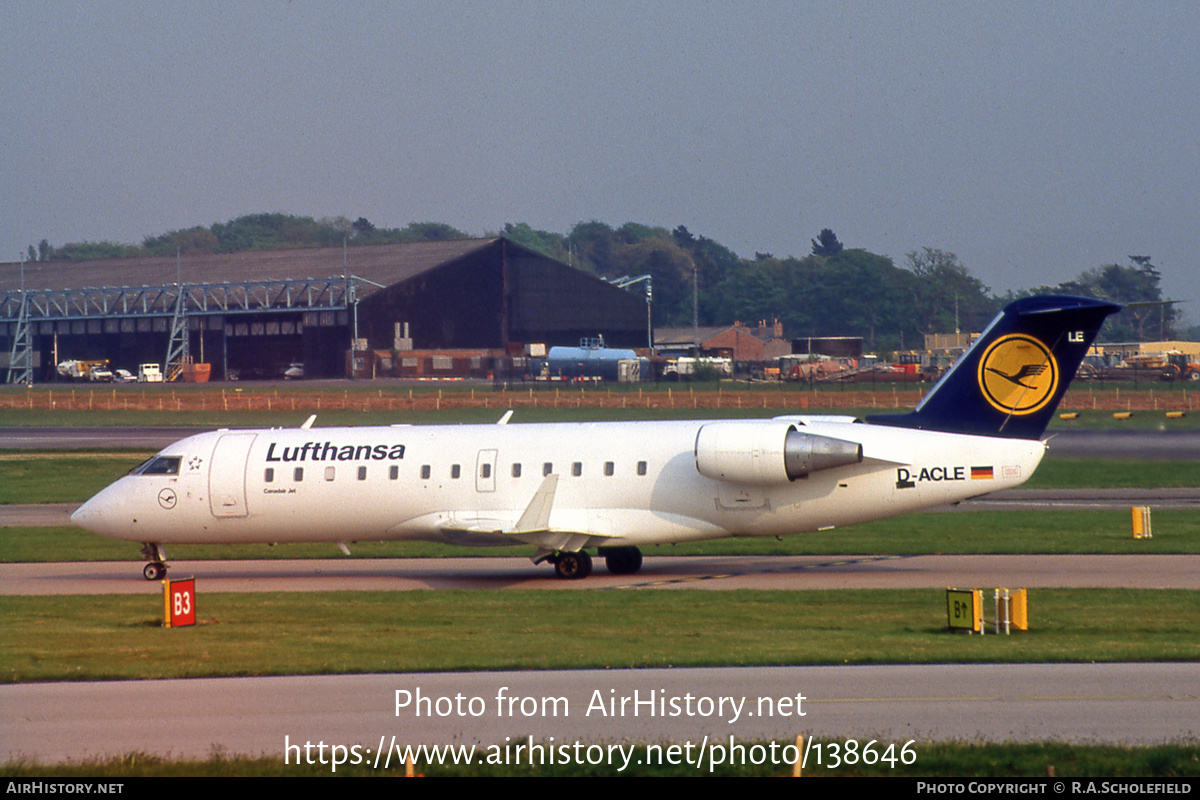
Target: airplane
point(564, 488)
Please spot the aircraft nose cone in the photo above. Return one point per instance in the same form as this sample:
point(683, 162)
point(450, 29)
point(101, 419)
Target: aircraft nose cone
point(85, 516)
point(101, 514)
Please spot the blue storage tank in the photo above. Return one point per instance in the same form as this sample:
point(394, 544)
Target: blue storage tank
point(588, 360)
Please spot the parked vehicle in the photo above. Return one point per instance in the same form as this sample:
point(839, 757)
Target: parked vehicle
point(77, 370)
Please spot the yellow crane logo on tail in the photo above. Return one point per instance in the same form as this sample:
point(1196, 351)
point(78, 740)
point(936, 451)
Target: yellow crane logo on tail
point(1018, 374)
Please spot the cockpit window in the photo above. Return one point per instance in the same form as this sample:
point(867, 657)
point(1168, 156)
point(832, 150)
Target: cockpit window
point(159, 465)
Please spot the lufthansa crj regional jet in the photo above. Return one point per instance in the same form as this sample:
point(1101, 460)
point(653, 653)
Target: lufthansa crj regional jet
point(565, 487)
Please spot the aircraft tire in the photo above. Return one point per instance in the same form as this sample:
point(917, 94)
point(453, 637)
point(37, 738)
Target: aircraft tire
point(622, 560)
point(155, 571)
point(573, 566)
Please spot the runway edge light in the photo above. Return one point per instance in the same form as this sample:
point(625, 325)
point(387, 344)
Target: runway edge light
point(1141, 522)
point(179, 602)
point(1012, 610)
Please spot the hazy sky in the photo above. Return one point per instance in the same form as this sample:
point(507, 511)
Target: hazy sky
point(1035, 140)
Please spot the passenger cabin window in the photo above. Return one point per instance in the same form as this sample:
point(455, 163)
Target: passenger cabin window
point(269, 474)
point(159, 465)
point(393, 472)
point(426, 471)
point(298, 475)
point(455, 471)
point(330, 473)
point(577, 468)
point(547, 468)
point(516, 470)
point(641, 468)
point(608, 468)
point(362, 473)
point(485, 470)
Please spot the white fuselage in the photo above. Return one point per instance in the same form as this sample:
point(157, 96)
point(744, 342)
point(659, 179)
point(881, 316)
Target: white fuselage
point(619, 483)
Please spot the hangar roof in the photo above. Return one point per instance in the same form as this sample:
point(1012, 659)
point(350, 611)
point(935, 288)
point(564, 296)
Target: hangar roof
point(384, 264)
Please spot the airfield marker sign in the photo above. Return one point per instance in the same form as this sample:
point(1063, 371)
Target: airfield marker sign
point(964, 609)
point(179, 603)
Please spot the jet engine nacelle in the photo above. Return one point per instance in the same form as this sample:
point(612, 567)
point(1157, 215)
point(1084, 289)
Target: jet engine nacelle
point(767, 452)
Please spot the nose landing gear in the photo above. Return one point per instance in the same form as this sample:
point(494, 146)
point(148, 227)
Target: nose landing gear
point(156, 570)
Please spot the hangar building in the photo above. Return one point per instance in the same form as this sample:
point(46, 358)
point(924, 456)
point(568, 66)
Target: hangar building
point(253, 313)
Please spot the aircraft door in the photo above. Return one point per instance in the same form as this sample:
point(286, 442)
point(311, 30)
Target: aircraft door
point(227, 475)
point(485, 471)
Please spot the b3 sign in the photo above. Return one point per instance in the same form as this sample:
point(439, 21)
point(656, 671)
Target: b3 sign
point(179, 603)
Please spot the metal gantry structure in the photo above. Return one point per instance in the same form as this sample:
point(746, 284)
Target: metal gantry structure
point(28, 313)
point(200, 298)
point(626, 281)
point(20, 359)
point(178, 349)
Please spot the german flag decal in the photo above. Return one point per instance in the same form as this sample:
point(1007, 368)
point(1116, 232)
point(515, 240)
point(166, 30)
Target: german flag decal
point(981, 473)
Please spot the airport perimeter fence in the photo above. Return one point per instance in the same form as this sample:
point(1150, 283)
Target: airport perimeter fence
point(133, 398)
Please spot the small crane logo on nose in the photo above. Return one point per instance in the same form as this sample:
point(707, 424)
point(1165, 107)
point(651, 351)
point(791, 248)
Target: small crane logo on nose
point(166, 498)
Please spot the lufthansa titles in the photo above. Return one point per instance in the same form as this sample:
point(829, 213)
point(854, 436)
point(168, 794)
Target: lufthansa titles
point(329, 451)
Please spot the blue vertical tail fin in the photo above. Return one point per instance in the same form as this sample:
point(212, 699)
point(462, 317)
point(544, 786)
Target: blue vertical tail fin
point(1012, 378)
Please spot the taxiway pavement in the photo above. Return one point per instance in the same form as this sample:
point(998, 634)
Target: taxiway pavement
point(902, 705)
point(659, 572)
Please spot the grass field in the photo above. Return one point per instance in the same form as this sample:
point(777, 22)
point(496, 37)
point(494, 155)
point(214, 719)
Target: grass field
point(81, 638)
point(118, 637)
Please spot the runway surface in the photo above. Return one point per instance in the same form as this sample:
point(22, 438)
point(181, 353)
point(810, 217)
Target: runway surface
point(666, 572)
point(117, 437)
point(1047, 499)
point(1163, 445)
point(1085, 703)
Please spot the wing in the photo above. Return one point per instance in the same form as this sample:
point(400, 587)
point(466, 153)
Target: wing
point(532, 527)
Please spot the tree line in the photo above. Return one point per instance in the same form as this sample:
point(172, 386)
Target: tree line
point(833, 290)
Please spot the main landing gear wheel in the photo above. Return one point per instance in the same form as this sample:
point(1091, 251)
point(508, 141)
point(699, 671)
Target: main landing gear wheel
point(573, 566)
point(155, 571)
point(622, 560)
